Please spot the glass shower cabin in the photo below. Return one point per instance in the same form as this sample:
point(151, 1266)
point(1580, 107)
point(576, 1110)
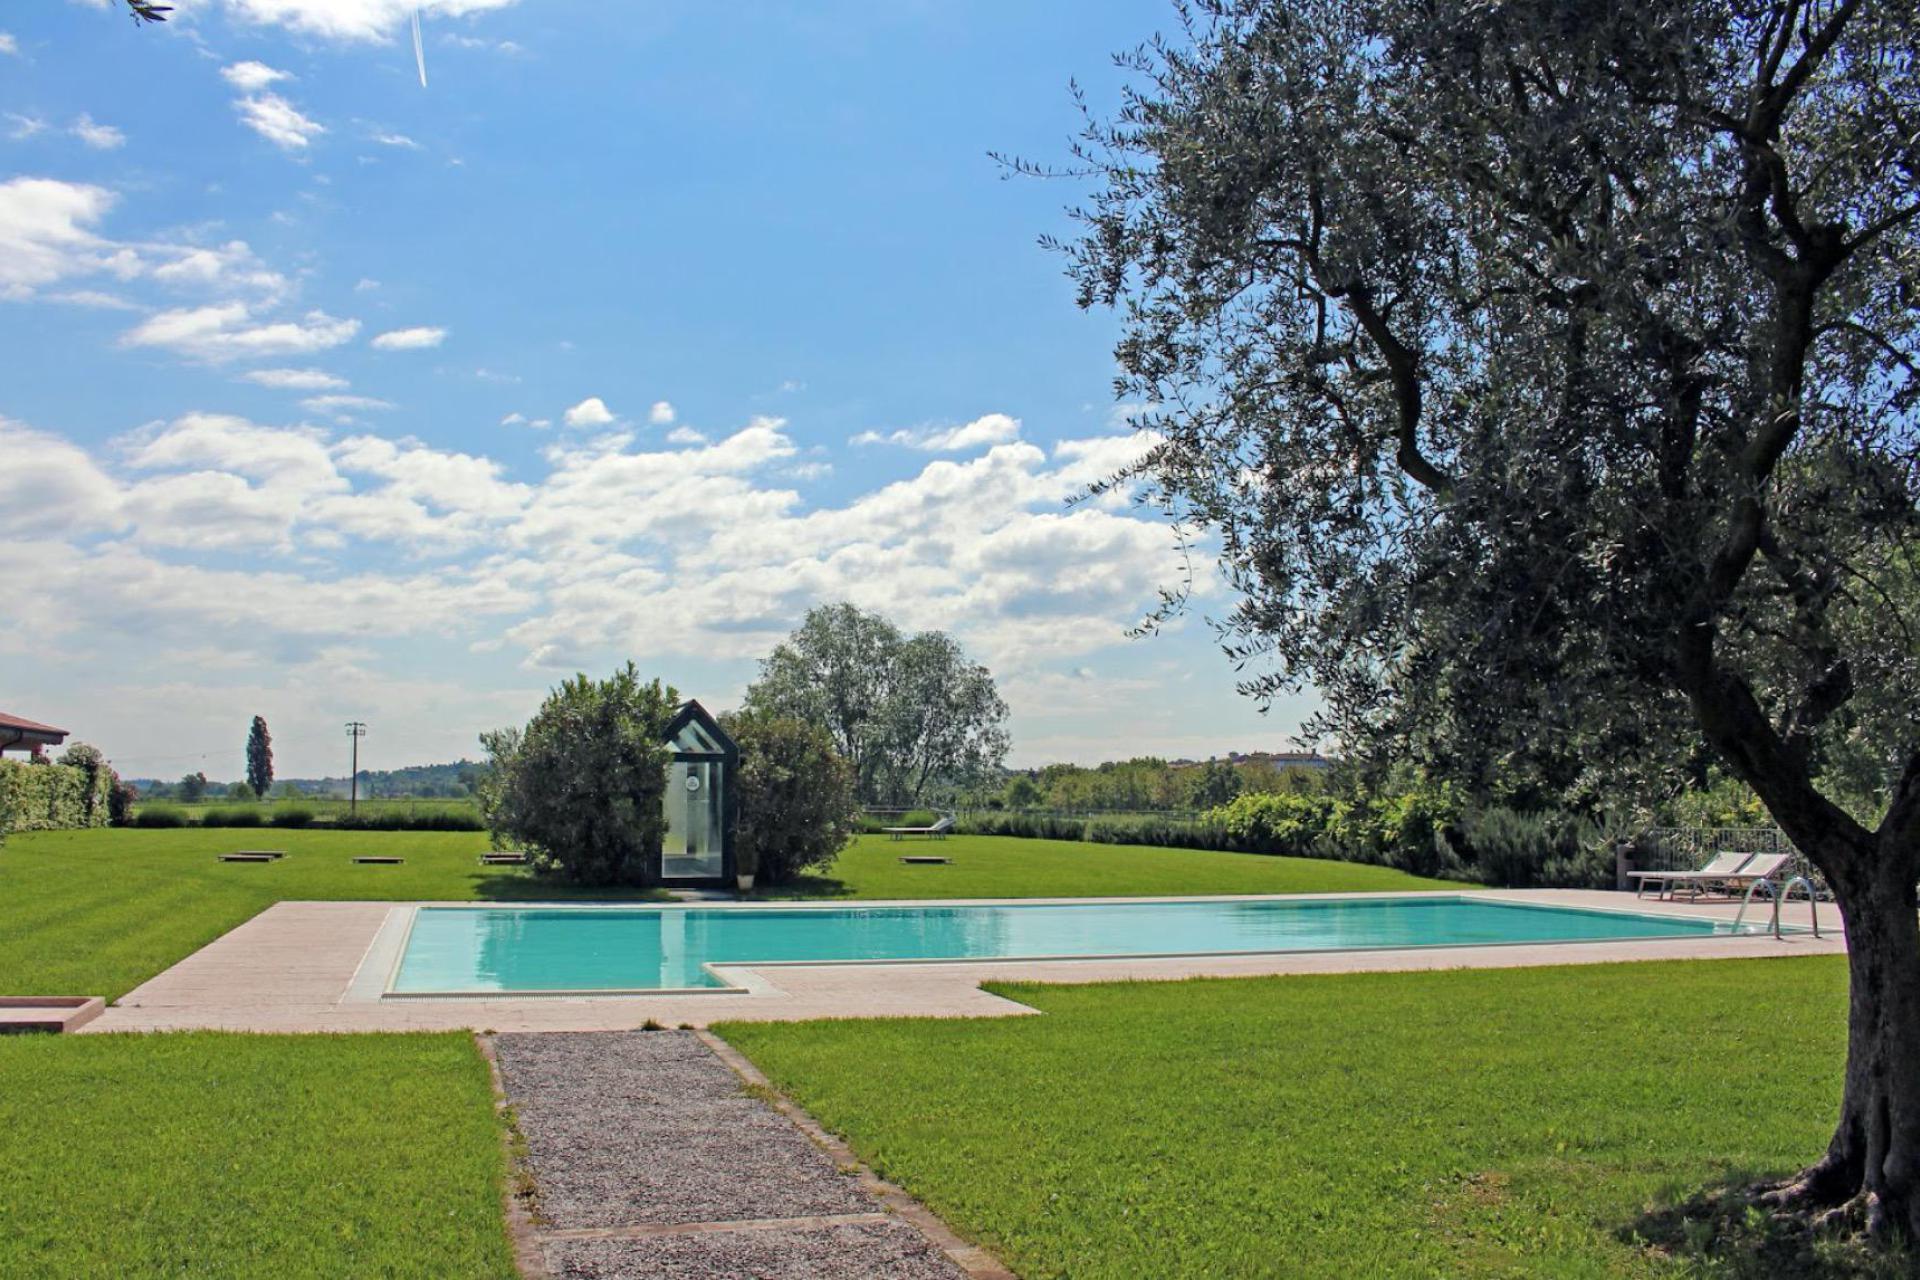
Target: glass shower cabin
point(696, 782)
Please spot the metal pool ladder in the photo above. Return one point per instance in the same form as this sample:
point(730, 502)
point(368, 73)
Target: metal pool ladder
point(1779, 899)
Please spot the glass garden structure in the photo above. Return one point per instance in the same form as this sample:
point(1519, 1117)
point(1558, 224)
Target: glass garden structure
point(700, 804)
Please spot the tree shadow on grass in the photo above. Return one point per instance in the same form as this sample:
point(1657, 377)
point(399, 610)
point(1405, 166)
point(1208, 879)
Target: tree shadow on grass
point(806, 886)
point(497, 886)
point(1725, 1233)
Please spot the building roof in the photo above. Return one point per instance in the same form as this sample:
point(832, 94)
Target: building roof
point(711, 738)
point(30, 726)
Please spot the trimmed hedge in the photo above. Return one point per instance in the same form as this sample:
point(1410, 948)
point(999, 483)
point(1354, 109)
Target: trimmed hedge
point(169, 816)
point(436, 821)
point(232, 818)
point(53, 797)
point(1426, 831)
point(148, 816)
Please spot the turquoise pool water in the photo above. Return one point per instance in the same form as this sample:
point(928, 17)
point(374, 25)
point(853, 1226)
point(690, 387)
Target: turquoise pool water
point(479, 949)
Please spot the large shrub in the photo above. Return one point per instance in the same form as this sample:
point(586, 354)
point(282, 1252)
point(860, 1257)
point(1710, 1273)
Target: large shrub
point(121, 799)
point(51, 797)
point(1518, 849)
point(580, 787)
point(1276, 822)
point(795, 795)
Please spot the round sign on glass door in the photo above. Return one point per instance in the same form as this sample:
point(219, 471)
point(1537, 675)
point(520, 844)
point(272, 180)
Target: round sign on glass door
point(693, 782)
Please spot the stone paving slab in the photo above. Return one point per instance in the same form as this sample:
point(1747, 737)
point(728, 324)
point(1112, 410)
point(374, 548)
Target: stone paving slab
point(864, 1251)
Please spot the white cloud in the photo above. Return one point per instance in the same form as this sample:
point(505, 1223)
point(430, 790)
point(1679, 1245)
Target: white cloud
point(8, 44)
point(364, 20)
point(226, 331)
point(699, 548)
point(458, 41)
point(295, 379)
point(24, 127)
point(101, 137)
point(344, 403)
point(991, 429)
point(514, 420)
point(46, 233)
point(591, 412)
point(685, 435)
point(252, 77)
point(230, 266)
point(94, 298)
point(400, 140)
point(51, 484)
point(661, 413)
point(415, 339)
point(365, 285)
point(278, 121)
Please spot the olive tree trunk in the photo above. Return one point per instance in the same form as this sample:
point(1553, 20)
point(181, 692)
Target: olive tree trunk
point(1869, 1174)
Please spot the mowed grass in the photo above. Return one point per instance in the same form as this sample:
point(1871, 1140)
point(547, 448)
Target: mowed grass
point(98, 912)
point(324, 807)
point(1513, 1122)
point(1005, 867)
point(221, 1155)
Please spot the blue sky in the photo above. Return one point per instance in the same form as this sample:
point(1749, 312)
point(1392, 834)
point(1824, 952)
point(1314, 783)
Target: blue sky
point(639, 330)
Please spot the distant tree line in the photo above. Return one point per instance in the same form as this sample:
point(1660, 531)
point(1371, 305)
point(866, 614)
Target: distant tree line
point(1145, 783)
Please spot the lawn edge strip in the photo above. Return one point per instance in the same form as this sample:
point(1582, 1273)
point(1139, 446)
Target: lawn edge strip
point(528, 1258)
point(976, 1262)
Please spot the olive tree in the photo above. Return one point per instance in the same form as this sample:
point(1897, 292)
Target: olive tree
point(1546, 371)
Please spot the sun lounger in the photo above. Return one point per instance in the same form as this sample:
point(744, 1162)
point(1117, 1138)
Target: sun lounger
point(1665, 882)
point(1765, 866)
point(938, 831)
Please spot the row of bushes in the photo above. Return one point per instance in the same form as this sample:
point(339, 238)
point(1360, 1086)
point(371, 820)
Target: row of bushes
point(286, 816)
point(1165, 830)
point(1426, 831)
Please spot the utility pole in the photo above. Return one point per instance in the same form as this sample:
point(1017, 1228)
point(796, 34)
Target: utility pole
point(355, 730)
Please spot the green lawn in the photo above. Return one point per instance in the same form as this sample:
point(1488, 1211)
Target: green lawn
point(98, 912)
point(214, 1155)
point(1513, 1122)
point(325, 807)
point(1005, 867)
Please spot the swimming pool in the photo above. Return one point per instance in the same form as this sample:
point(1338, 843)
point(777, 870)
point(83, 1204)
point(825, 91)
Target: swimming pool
point(533, 950)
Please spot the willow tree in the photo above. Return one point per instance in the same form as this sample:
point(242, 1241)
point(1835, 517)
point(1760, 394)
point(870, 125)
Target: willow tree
point(1545, 370)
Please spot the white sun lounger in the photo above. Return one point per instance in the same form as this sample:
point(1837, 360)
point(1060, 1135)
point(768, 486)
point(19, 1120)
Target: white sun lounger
point(938, 831)
point(1765, 866)
point(1723, 866)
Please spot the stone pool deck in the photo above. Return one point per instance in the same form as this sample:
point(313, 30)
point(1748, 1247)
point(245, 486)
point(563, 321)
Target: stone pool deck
point(321, 966)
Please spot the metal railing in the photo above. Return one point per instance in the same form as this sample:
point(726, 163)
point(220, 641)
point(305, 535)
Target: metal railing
point(1779, 898)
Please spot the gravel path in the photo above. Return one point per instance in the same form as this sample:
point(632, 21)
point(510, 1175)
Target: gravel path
point(646, 1144)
